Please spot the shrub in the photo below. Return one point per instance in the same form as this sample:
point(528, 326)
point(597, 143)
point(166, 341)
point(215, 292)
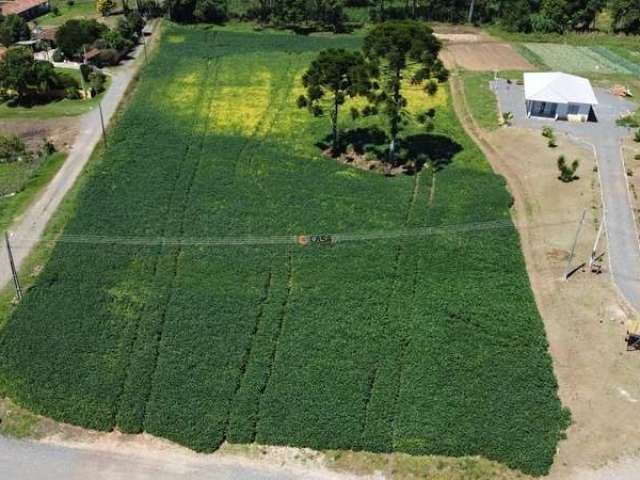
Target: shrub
point(507, 118)
point(48, 147)
point(548, 132)
point(56, 11)
point(13, 149)
point(631, 121)
point(71, 3)
point(58, 56)
point(97, 80)
point(567, 172)
point(636, 137)
point(637, 157)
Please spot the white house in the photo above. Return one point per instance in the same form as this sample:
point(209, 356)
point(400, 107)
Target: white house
point(559, 96)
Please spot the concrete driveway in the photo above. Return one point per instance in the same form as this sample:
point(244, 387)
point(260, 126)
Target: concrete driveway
point(606, 139)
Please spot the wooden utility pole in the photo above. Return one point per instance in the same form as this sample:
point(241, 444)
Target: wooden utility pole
point(567, 271)
point(16, 281)
point(104, 133)
point(593, 256)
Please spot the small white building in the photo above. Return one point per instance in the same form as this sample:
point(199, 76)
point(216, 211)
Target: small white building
point(559, 96)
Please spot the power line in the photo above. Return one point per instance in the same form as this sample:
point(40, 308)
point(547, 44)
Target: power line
point(290, 239)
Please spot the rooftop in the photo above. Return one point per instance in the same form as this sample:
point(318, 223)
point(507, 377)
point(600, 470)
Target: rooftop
point(20, 6)
point(557, 87)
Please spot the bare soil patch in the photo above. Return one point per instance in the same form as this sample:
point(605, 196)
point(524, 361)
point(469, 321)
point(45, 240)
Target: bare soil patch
point(60, 131)
point(483, 56)
point(585, 316)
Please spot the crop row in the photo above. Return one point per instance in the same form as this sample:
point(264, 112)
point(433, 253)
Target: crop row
point(579, 59)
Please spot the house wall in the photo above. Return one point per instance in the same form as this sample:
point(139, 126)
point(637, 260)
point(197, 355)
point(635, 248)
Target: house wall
point(574, 111)
point(560, 111)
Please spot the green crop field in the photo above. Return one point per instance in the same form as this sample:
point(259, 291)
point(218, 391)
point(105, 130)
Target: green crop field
point(582, 59)
point(179, 303)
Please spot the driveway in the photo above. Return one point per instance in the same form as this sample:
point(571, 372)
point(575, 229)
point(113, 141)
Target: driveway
point(27, 230)
point(606, 138)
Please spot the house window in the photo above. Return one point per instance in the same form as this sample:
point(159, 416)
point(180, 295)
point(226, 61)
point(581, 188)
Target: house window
point(574, 109)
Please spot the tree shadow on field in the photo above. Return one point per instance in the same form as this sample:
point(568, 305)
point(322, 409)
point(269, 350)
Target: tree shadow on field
point(362, 140)
point(433, 149)
point(412, 154)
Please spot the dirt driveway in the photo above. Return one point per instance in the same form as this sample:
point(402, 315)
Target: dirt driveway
point(584, 317)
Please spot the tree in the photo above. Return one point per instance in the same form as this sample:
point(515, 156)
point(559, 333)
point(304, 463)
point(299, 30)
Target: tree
point(13, 149)
point(104, 7)
point(332, 77)
point(130, 26)
point(567, 173)
point(214, 11)
point(516, 18)
point(625, 15)
point(13, 29)
point(21, 73)
point(74, 34)
point(582, 14)
point(392, 46)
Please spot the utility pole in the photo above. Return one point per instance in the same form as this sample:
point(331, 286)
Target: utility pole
point(104, 133)
point(16, 281)
point(144, 45)
point(593, 256)
point(567, 271)
point(471, 9)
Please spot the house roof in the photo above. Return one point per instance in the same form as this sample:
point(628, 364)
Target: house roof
point(46, 33)
point(557, 87)
point(20, 6)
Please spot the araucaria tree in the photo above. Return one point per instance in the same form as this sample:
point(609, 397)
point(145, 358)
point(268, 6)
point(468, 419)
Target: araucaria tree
point(332, 77)
point(398, 47)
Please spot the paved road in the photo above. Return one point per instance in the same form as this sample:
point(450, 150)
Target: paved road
point(28, 229)
point(606, 139)
point(22, 460)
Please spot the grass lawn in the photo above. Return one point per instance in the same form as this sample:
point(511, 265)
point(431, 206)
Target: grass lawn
point(25, 180)
point(481, 99)
point(182, 305)
point(79, 9)
point(57, 108)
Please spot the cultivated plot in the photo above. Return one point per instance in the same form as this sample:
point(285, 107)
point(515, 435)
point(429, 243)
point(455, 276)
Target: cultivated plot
point(178, 301)
point(581, 59)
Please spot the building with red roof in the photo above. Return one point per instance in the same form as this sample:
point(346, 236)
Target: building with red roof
point(27, 9)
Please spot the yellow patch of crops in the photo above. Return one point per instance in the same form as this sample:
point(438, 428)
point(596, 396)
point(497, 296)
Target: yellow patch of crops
point(240, 108)
point(418, 100)
point(175, 38)
point(184, 91)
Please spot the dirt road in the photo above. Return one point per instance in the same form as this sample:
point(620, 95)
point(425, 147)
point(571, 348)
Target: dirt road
point(27, 230)
point(23, 460)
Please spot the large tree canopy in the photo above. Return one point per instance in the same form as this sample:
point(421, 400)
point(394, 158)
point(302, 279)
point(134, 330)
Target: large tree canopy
point(336, 74)
point(13, 29)
point(19, 72)
point(394, 46)
point(75, 34)
point(625, 15)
